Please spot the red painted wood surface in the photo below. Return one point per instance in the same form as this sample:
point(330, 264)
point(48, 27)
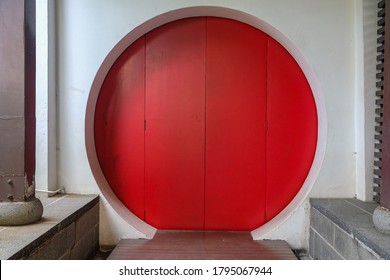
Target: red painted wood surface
point(119, 127)
point(208, 89)
point(235, 125)
point(175, 119)
point(292, 129)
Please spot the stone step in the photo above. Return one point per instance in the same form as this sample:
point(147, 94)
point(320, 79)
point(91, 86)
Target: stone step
point(69, 229)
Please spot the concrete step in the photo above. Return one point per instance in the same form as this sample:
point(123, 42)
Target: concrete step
point(69, 229)
point(343, 229)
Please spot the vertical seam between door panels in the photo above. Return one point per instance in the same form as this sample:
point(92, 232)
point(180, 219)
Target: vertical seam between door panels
point(205, 123)
point(266, 127)
point(144, 128)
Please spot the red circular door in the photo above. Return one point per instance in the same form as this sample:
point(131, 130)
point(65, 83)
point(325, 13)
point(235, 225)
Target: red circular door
point(205, 123)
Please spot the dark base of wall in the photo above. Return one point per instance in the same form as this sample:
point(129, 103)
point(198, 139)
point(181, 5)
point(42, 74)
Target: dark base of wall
point(343, 229)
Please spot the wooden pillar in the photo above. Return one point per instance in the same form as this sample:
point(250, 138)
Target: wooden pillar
point(18, 204)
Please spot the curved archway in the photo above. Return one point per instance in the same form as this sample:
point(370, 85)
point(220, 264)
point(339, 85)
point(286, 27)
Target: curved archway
point(129, 40)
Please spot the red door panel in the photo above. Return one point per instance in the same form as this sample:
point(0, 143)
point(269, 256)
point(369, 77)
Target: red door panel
point(175, 124)
point(119, 127)
point(292, 132)
point(235, 125)
point(208, 89)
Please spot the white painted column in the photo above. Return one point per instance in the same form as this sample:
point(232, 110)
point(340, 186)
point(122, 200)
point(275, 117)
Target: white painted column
point(46, 143)
point(365, 79)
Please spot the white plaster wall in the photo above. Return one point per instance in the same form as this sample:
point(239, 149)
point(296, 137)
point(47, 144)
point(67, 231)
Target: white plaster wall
point(45, 171)
point(370, 11)
point(324, 32)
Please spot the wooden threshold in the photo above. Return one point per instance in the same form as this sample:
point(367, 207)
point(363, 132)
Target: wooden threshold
point(202, 245)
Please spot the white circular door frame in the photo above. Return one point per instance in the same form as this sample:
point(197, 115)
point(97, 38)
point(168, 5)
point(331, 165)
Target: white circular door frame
point(147, 230)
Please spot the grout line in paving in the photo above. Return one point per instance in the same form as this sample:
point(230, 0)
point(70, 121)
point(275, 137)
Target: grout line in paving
point(358, 207)
point(58, 199)
point(331, 246)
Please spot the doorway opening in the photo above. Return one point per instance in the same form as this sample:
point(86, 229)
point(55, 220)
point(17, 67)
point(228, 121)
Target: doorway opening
point(205, 123)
